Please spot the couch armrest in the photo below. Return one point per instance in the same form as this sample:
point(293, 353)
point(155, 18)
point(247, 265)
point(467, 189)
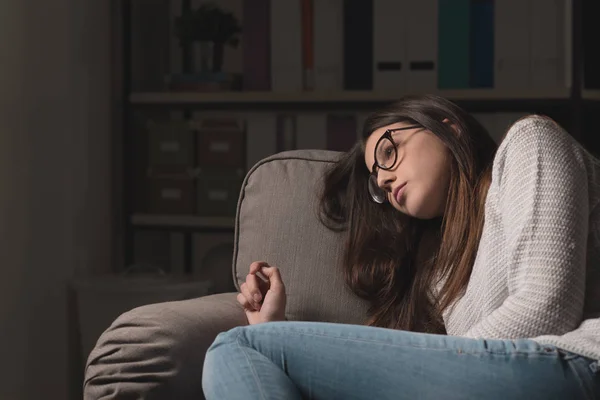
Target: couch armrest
point(157, 351)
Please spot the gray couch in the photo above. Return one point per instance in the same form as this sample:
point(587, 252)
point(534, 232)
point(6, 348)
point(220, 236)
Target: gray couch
point(157, 351)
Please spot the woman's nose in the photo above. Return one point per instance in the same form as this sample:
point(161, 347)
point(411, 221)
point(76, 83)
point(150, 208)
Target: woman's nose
point(385, 179)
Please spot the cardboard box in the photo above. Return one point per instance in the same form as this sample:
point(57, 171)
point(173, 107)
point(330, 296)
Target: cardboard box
point(220, 142)
point(170, 193)
point(218, 190)
point(170, 143)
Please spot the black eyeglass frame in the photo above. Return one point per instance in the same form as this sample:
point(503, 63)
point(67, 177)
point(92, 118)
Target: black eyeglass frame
point(373, 184)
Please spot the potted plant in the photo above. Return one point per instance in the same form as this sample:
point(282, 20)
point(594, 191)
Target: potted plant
point(210, 26)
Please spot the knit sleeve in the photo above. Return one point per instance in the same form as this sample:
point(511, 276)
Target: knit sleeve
point(543, 206)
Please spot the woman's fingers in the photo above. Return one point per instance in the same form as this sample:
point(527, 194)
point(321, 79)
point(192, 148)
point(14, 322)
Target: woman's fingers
point(275, 281)
point(244, 302)
point(249, 297)
point(256, 287)
point(270, 273)
point(256, 266)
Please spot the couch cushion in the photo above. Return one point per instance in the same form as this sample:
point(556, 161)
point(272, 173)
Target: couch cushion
point(277, 222)
point(157, 351)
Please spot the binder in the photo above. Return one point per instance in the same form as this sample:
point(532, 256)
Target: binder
point(262, 135)
point(286, 132)
point(256, 50)
point(547, 43)
point(568, 38)
point(361, 117)
point(482, 44)
point(389, 45)
point(422, 46)
point(358, 44)
point(311, 131)
point(286, 46)
point(149, 45)
point(512, 43)
point(591, 31)
point(454, 44)
point(328, 45)
point(175, 51)
point(308, 62)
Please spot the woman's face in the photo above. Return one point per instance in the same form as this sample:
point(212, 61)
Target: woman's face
point(417, 184)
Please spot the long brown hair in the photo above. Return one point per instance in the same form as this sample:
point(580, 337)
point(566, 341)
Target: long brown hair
point(383, 259)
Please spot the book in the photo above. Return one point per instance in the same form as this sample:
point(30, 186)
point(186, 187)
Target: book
point(422, 46)
point(482, 44)
point(389, 45)
point(256, 50)
point(454, 39)
point(328, 45)
point(286, 46)
point(358, 44)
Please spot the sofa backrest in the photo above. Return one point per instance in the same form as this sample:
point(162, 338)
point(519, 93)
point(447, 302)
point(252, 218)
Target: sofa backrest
point(277, 222)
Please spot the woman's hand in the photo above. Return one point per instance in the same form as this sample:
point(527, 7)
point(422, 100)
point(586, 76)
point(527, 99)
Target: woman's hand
point(263, 301)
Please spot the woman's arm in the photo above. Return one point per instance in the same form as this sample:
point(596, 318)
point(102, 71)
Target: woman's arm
point(543, 204)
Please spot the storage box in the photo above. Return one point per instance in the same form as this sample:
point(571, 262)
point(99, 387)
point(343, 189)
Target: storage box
point(170, 193)
point(170, 143)
point(218, 190)
point(220, 143)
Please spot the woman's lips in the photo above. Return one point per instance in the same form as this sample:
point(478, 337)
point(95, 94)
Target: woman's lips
point(398, 192)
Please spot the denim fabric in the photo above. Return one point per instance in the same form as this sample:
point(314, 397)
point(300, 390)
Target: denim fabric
point(315, 360)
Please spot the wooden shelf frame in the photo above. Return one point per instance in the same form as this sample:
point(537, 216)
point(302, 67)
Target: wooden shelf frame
point(182, 221)
point(250, 98)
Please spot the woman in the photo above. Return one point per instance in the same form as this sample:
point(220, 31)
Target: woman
point(484, 262)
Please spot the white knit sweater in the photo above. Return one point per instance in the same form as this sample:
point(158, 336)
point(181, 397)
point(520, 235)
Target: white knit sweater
point(537, 270)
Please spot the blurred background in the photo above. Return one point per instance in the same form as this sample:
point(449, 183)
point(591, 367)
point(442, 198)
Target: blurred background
point(128, 126)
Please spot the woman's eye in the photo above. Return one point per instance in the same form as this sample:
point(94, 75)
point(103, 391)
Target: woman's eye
point(388, 153)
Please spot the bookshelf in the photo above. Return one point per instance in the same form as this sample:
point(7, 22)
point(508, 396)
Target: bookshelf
point(591, 95)
point(248, 99)
point(572, 106)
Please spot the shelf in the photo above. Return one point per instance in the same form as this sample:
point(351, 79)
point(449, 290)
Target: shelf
point(251, 98)
point(590, 94)
point(183, 221)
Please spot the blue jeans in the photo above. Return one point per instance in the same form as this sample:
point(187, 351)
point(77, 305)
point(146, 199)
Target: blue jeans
point(315, 360)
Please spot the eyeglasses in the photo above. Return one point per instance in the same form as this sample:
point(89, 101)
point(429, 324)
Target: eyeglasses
point(385, 156)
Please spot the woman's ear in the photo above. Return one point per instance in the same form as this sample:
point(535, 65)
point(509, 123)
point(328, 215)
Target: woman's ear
point(454, 127)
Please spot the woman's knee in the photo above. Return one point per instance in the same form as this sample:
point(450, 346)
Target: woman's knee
point(220, 357)
point(257, 337)
point(226, 338)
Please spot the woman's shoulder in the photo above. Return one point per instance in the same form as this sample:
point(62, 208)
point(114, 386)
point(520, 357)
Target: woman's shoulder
point(535, 129)
point(536, 146)
point(534, 138)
